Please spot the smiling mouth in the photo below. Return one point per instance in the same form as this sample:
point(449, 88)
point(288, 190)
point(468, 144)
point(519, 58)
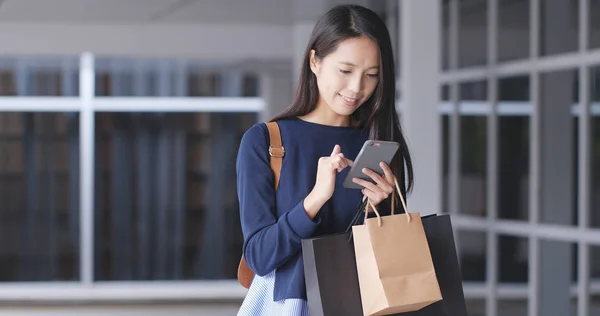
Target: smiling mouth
point(348, 99)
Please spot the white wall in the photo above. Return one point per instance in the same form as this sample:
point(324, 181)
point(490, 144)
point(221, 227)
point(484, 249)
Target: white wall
point(216, 42)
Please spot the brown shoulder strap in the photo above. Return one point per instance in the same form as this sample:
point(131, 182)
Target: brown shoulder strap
point(276, 150)
point(244, 274)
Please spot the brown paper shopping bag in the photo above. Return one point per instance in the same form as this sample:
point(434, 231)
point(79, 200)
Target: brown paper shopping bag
point(394, 265)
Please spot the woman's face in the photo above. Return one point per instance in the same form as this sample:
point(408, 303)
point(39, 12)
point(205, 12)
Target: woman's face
point(348, 76)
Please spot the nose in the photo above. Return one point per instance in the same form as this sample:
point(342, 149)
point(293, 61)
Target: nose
point(355, 84)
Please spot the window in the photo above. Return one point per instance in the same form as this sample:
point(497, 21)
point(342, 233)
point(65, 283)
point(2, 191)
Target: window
point(513, 149)
point(445, 35)
point(594, 18)
point(473, 153)
point(472, 255)
point(39, 192)
point(166, 202)
point(513, 29)
point(7, 83)
point(472, 48)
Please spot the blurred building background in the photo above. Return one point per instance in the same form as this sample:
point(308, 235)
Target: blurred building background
point(120, 122)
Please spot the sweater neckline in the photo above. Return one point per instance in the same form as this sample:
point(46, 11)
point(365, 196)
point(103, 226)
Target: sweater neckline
point(327, 127)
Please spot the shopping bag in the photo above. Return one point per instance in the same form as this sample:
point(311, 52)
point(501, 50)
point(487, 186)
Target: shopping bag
point(330, 273)
point(395, 268)
point(440, 237)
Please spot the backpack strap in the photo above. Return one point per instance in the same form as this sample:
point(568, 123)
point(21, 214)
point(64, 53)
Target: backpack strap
point(276, 152)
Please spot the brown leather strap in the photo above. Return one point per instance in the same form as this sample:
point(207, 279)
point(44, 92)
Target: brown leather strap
point(276, 150)
point(245, 275)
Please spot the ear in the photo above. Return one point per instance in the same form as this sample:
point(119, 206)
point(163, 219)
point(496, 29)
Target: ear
point(313, 61)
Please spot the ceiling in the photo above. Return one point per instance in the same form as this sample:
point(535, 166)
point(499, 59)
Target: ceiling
point(278, 12)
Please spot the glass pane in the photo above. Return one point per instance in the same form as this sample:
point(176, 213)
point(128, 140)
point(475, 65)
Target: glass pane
point(39, 194)
point(7, 83)
point(118, 84)
point(595, 263)
point(513, 173)
point(595, 276)
point(513, 29)
point(203, 85)
point(472, 255)
point(513, 307)
point(475, 307)
point(514, 89)
point(473, 91)
point(251, 86)
point(513, 151)
point(472, 46)
point(117, 77)
point(445, 34)
point(163, 78)
point(445, 96)
point(157, 217)
point(558, 162)
point(513, 259)
point(38, 77)
point(445, 163)
point(594, 19)
point(595, 148)
point(559, 26)
point(473, 166)
point(473, 144)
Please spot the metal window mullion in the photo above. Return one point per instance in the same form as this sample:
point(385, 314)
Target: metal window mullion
point(584, 25)
point(453, 37)
point(454, 128)
point(534, 161)
point(584, 146)
point(86, 175)
point(519, 67)
point(454, 154)
point(492, 162)
point(518, 228)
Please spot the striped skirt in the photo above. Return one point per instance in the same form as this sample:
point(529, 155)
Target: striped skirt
point(259, 300)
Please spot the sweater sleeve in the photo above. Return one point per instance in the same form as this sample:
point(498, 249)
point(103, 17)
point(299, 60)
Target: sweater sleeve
point(269, 241)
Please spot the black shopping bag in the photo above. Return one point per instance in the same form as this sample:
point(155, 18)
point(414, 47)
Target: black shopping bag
point(438, 230)
point(330, 274)
point(332, 282)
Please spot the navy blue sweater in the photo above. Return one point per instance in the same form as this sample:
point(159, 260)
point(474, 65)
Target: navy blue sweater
point(274, 223)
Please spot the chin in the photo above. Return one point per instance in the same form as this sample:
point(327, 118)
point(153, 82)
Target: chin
point(344, 109)
point(344, 112)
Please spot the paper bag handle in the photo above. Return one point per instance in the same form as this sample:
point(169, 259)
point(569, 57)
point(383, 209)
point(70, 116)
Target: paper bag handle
point(408, 216)
point(401, 199)
point(374, 210)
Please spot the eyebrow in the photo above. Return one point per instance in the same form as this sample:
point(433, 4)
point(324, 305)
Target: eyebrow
point(353, 65)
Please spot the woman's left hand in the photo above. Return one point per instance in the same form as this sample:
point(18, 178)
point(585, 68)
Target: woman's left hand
point(383, 186)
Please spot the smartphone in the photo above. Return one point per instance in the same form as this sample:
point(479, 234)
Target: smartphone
point(371, 154)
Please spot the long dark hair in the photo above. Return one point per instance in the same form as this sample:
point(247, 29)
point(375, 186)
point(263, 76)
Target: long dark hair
point(378, 114)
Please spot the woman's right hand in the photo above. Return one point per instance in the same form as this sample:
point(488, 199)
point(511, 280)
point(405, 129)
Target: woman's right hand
point(327, 170)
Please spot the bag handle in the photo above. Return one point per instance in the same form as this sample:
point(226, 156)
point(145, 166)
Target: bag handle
point(397, 186)
point(276, 153)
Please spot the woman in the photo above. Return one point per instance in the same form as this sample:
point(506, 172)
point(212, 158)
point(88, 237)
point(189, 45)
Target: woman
point(345, 95)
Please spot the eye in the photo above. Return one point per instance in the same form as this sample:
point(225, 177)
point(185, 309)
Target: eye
point(373, 75)
point(344, 71)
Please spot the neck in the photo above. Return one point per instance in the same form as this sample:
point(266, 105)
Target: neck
point(323, 115)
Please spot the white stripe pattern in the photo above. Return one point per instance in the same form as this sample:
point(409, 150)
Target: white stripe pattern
point(259, 300)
